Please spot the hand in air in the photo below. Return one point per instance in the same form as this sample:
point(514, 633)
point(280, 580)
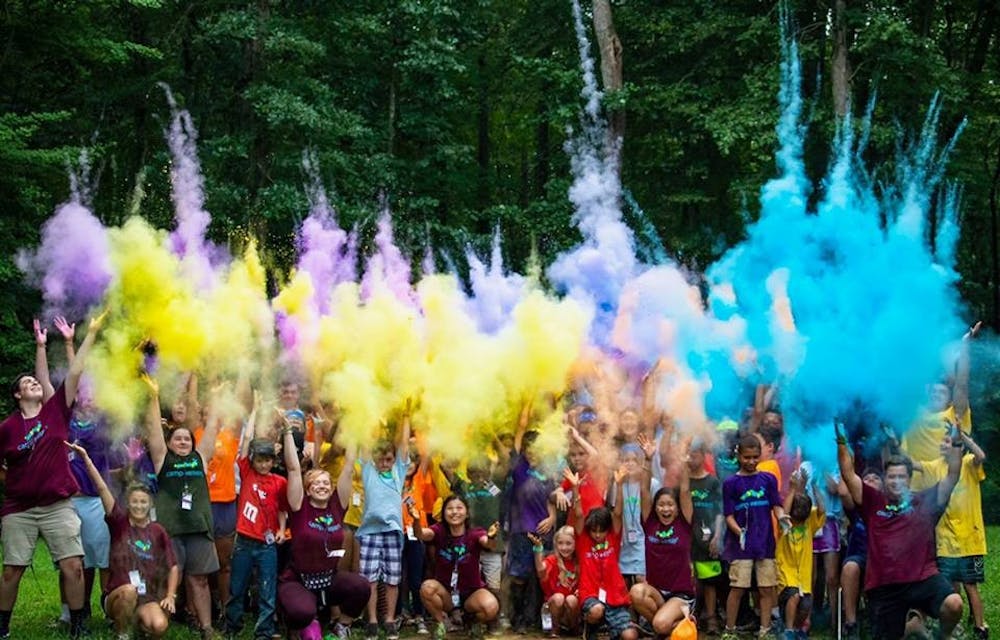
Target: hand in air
point(41, 335)
point(67, 330)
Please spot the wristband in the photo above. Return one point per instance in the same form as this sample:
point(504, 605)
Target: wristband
point(538, 549)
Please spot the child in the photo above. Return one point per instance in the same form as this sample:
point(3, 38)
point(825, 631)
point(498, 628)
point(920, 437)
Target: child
point(260, 526)
point(668, 595)
point(602, 588)
point(456, 564)
point(583, 459)
point(708, 528)
point(794, 555)
point(748, 500)
point(483, 497)
point(632, 560)
point(559, 575)
point(381, 532)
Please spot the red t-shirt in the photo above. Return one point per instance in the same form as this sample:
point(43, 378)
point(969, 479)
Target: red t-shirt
point(565, 581)
point(901, 545)
point(668, 555)
point(317, 536)
point(38, 471)
point(458, 554)
point(592, 490)
point(145, 549)
point(261, 498)
point(599, 569)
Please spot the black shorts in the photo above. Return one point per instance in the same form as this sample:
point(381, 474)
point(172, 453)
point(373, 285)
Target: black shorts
point(888, 604)
point(805, 604)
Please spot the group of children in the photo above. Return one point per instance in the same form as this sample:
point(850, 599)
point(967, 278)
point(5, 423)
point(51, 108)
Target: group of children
point(640, 530)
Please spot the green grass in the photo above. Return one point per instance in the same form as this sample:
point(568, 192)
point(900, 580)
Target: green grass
point(38, 599)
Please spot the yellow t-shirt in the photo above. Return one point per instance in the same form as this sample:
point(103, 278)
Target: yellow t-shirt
point(923, 440)
point(960, 531)
point(794, 553)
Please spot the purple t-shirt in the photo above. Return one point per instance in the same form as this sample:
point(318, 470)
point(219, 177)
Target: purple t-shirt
point(458, 555)
point(529, 496)
point(317, 536)
point(901, 544)
point(92, 436)
point(668, 555)
point(750, 499)
point(38, 472)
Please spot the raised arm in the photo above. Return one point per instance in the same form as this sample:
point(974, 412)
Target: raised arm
point(846, 463)
point(68, 332)
point(945, 487)
point(574, 480)
point(107, 499)
point(424, 534)
point(960, 396)
point(250, 429)
point(345, 486)
point(155, 443)
point(294, 490)
point(403, 437)
point(42, 361)
point(645, 497)
point(616, 514)
point(686, 503)
point(977, 452)
point(80, 361)
point(522, 425)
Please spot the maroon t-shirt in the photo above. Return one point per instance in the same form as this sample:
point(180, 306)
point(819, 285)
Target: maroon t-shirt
point(459, 553)
point(143, 549)
point(668, 555)
point(900, 537)
point(317, 536)
point(38, 471)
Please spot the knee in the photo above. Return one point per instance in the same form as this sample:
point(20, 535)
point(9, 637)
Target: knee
point(491, 608)
point(12, 573)
point(198, 581)
point(572, 602)
point(158, 625)
point(952, 607)
point(595, 614)
point(427, 589)
point(557, 600)
point(72, 567)
point(637, 592)
point(630, 634)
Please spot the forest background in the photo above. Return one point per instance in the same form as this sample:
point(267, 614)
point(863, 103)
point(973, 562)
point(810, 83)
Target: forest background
point(458, 111)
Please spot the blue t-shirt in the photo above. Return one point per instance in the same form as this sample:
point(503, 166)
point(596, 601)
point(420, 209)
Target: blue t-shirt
point(750, 499)
point(383, 497)
point(92, 436)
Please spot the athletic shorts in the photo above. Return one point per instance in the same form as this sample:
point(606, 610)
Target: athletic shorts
point(827, 539)
point(94, 533)
point(491, 563)
point(382, 557)
point(195, 554)
point(223, 519)
point(888, 604)
point(805, 604)
point(967, 569)
point(741, 573)
point(618, 619)
point(58, 525)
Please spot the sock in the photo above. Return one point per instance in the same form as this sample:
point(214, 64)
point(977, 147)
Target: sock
point(65, 613)
point(75, 620)
point(4, 621)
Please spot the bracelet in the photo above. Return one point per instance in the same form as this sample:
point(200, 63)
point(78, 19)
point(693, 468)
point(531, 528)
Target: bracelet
point(172, 596)
point(538, 549)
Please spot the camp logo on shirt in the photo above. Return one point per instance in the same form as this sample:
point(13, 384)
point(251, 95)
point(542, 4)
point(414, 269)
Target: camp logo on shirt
point(752, 498)
point(664, 537)
point(895, 510)
point(455, 553)
point(32, 437)
point(142, 549)
point(600, 551)
point(324, 523)
point(537, 475)
point(699, 494)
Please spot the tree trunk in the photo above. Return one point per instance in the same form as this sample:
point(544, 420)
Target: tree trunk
point(995, 240)
point(483, 141)
point(840, 71)
point(611, 67)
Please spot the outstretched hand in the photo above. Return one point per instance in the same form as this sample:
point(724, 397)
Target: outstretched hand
point(67, 330)
point(620, 474)
point(98, 321)
point(151, 383)
point(41, 335)
point(535, 540)
point(647, 445)
point(839, 432)
point(574, 478)
point(77, 449)
point(493, 530)
point(973, 331)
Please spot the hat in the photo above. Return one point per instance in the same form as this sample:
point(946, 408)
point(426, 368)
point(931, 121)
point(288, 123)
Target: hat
point(262, 447)
point(727, 425)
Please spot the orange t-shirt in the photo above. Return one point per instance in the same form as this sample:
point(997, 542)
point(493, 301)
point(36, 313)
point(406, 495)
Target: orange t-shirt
point(221, 470)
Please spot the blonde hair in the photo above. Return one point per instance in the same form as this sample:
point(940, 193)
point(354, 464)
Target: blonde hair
point(564, 531)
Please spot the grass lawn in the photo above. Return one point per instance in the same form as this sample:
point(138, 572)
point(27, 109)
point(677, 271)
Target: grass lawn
point(38, 600)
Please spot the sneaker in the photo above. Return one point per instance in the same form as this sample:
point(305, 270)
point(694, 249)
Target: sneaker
point(730, 634)
point(371, 631)
point(981, 633)
point(341, 631)
point(79, 632)
point(476, 631)
point(422, 627)
point(915, 628)
point(852, 631)
point(391, 630)
point(440, 631)
point(765, 633)
point(123, 636)
point(790, 634)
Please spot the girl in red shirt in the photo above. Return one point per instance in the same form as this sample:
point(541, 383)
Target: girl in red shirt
point(560, 579)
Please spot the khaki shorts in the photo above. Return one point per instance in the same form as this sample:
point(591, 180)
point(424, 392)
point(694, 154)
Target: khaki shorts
point(741, 571)
point(58, 525)
point(491, 563)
